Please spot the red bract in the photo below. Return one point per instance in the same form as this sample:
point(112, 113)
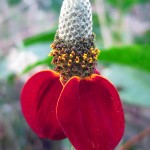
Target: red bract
point(89, 111)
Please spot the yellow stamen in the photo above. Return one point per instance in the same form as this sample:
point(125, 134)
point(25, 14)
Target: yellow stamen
point(77, 59)
point(71, 55)
point(69, 62)
point(52, 45)
point(84, 56)
point(83, 66)
point(96, 57)
point(90, 60)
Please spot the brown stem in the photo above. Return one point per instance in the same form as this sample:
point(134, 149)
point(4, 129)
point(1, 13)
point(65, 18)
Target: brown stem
point(135, 139)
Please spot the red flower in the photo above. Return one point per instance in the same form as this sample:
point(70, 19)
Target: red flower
point(74, 101)
point(88, 111)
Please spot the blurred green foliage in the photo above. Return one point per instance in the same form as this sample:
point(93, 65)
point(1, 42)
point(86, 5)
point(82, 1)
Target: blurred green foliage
point(125, 5)
point(43, 37)
point(135, 55)
point(46, 62)
point(96, 28)
point(143, 39)
point(13, 2)
point(56, 5)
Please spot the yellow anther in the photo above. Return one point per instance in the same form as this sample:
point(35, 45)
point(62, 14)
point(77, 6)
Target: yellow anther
point(90, 60)
point(63, 58)
point(83, 66)
point(97, 51)
point(93, 52)
point(52, 53)
point(96, 57)
point(92, 49)
point(84, 56)
point(52, 45)
point(77, 59)
point(69, 62)
point(71, 55)
point(64, 55)
point(59, 57)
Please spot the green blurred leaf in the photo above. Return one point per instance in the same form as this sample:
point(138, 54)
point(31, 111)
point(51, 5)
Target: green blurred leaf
point(96, 25)
point(43, 37)
point(46, 62)
point(11, 78)
point(13, 2)
point(135, 56)
point(56, 5)
point(144, 38)
point(125, 5)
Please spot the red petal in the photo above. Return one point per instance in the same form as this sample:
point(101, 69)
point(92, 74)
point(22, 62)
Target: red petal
point(91, 114)
point(96, 72)
point(38, 100)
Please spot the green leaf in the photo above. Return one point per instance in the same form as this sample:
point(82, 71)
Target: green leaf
point(136, 56)
point(42, 37)
point(144, 38)
point(13, 2)
point(46, 61)
point(56, 5)
point(125, 5)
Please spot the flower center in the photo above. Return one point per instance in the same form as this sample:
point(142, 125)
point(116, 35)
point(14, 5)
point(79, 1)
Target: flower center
point(75, 57)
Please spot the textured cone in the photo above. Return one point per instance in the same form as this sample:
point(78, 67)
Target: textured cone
point(75, 20)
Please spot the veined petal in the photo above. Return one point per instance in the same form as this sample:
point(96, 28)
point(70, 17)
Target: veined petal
point(38, 101)
point(90, 113)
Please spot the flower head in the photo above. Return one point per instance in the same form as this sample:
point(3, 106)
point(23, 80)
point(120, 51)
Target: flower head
point(74, 101)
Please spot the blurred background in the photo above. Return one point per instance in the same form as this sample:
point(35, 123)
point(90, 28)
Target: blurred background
point(27, 28)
